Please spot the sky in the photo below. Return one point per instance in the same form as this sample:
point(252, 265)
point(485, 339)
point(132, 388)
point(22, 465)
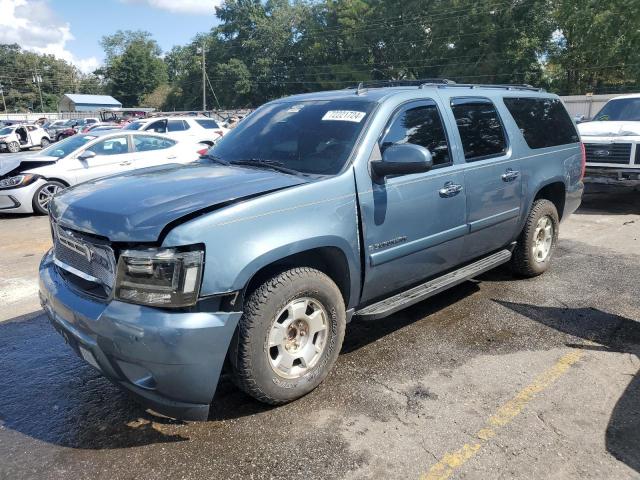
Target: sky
point(72, 29)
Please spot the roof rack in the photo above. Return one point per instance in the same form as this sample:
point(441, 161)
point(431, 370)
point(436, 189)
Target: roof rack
point(480, 85)
point(366, 85)
point(362, 87)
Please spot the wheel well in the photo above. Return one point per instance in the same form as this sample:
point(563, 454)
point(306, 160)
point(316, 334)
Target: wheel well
point(66, 184)
point(555, 193)
point(329, 260)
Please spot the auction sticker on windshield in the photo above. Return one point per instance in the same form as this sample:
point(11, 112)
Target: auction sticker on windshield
point(344, 115)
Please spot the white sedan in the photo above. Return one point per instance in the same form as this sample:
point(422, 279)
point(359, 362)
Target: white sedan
point(27, 182)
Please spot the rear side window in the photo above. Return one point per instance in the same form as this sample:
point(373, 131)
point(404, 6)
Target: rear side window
point(480, 128)
point(145, 143)
point(208, 124)
point(177, 125)
point(544, 122)
point(419, 125)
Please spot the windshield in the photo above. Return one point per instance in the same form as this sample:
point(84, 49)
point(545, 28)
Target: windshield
point(134, 126)
point(67, 146)
point(314, 137)
point(6, 130)
point(624, 109)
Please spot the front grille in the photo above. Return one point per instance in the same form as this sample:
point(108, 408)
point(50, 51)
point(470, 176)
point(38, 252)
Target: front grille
point(616, 153)
point(90, 261)
point(637, 153)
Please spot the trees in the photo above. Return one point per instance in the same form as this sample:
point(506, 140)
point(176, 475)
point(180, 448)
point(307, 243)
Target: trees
point(19, 69)
point(133, 66)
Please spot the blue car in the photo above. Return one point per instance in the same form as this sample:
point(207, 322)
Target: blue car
point(315, 210)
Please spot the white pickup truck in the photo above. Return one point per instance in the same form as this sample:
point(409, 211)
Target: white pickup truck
point(612, 142)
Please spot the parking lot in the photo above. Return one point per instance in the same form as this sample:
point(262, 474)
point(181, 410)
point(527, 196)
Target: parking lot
point(497, 378)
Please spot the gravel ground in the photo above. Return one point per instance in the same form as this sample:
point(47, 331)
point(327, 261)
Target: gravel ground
point(497, 378)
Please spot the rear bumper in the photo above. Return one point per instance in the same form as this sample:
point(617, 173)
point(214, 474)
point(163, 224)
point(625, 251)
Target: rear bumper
point(613, 176)
point(171, 360)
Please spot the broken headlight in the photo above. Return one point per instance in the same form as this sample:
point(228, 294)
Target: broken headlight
point(164, 277)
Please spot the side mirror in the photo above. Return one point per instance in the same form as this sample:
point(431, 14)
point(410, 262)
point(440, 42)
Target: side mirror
point(86, 155)
point(579, 118)
point(403, 159)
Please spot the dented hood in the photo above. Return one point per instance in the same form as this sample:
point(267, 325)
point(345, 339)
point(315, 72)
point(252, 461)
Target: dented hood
point(9, 162)
point(137, 206)
point(609, 129)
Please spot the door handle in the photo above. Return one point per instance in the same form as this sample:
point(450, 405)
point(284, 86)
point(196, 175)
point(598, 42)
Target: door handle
point(172, 157)
point(450, 189)
point(510, 175)
point(125, 163)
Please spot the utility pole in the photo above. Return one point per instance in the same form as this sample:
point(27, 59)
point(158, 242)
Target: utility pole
point(203, 50)
point(3, 102)
point(37, 79)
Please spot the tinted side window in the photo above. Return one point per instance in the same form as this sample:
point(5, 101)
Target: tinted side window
point(176, 125)
point(419, 125)
point(480, 128)
point(111, 146)
point(159, 127)
point(208, 124)
point(145, 143)
point(544, 122)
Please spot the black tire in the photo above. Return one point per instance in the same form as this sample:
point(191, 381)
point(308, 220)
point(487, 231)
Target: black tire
point(250, 353)
point(13, 147)
point(37, 207)
point(60, 137)
point(524, 262)
point(44, 143)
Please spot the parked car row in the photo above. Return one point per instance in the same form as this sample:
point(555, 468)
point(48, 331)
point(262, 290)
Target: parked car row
point(27, 183)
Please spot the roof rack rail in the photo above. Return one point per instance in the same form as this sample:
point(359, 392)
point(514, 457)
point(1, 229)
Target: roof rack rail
point(480, 85)
point(367, 84)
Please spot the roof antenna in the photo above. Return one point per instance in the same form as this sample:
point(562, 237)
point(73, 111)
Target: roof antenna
point(360, 90)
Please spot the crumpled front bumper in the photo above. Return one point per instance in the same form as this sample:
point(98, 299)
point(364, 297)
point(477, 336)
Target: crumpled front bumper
point(171, 360)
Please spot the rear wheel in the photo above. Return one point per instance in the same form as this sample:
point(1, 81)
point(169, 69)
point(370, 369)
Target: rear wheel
point(43, 196)
point(289, 336)
point(537, 242)
point(13, 147)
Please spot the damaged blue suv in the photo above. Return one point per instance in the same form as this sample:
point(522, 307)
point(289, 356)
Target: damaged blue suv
point(317, 209)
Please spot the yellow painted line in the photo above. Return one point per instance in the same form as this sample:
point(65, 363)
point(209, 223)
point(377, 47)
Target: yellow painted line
point(503, 416)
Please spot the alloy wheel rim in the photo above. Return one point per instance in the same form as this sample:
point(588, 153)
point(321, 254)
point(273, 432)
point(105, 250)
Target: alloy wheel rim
point(14, 147)
point(46, 193)
point(297, 338)
point(543, 239)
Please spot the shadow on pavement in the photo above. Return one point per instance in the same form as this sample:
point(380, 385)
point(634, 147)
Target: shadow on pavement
point(49, 394)
point(609, 200)
point(615, 334)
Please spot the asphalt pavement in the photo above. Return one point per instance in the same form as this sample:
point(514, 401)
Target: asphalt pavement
point(497, 378)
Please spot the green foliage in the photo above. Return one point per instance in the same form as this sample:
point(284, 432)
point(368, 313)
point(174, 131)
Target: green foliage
point(133, 66)
point(17, 71)
point(264, 49)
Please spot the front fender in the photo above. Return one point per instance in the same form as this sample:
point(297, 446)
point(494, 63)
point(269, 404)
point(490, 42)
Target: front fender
point(245, 237)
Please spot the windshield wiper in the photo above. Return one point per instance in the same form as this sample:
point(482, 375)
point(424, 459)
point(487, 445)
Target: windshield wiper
point(264, 163)
point(215, 158)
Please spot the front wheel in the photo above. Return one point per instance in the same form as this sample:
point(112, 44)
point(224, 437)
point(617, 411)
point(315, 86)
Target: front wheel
point(13, 147)
point(289, 336)
point(43, 196)
point(44, 143)
point(537, 242)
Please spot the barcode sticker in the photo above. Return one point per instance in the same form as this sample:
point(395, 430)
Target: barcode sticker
point(344, 116)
